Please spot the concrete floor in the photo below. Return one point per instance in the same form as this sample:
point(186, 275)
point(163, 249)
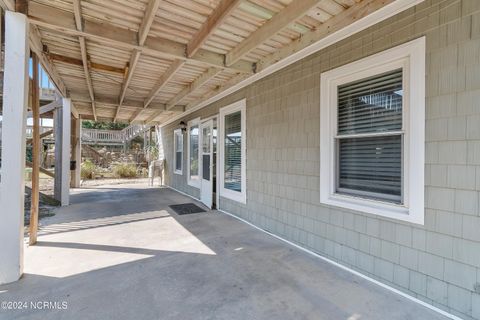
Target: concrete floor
point(119, 252)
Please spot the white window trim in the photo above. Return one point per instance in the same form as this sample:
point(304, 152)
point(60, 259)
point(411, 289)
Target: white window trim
point(193, 182)
point(410, 56)
point(227, 193)
point(177, 132)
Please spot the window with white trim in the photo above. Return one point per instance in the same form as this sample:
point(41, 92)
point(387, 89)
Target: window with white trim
point(178, 151)
point(232, 150)
point(372, 136)
point(193, 153)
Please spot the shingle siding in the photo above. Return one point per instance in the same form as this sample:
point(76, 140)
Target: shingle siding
point(438, 262)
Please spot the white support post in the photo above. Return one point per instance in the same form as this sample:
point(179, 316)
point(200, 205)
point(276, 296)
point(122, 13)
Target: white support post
point(65, 172)
point(62, 152)
point(12, 185)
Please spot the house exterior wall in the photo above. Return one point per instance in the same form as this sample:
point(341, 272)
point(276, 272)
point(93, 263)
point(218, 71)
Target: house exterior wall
point(439, 262)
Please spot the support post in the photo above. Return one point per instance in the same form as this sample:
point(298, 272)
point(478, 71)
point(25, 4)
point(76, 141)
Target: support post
point(12, 185)
point(76, 152)
point(62, 152)
point(35, 153)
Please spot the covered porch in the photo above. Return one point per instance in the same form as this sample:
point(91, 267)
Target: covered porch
point(120, 252)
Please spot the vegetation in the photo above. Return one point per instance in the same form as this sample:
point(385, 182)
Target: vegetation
point(125, 170)
point(88, 170)
point(89, 124)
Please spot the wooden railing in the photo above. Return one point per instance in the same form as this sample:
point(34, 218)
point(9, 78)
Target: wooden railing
point(112, 137)
point(96, 136)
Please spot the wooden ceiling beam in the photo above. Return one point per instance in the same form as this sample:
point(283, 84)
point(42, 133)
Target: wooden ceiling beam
point(166, 76)
point(7, 5)
point(197, 83)
point(79, 62)
point(36, 46)
point(63, 22)
point(112, 102)
point(143, 31)
point(218, 16)
point(294, 11)
point(77, 12)
point(147, 21)
point(334, 24)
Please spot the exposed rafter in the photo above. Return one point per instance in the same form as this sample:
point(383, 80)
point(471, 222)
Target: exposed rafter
point(209, 74)
point(63, 22)
point(280, 21)
point(36, 46)
point(78, 62)
point(169, 73)
point(166, 76)
point(222, 11)
point(143, 31)
point(83, 49)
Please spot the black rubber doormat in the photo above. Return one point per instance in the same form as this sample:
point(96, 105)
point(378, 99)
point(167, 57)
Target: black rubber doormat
point(186, 208)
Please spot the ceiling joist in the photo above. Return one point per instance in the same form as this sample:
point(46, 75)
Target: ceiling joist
point(143, 31)
point(63, 22)
point(280, 21)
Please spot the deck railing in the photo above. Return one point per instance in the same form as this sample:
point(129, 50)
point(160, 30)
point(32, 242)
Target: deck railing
point(112, 137)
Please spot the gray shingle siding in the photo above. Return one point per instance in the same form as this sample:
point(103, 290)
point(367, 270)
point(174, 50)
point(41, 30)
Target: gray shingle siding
point(438, 262)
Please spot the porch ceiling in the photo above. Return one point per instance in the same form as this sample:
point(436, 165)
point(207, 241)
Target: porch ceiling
point(149, 60)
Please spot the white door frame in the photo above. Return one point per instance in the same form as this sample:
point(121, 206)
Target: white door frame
point(209, 202)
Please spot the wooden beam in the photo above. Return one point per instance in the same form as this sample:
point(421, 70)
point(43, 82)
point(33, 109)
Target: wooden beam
point(21, 6)
point(131, 104)
point(62, 22)
point(218, 16)
point(295, 10)
point(43, 135)
point(79, 62)
point(47, 108)
point(158, 113)
point(166, 76)
point(197, 83)
point(77, 9)
point(143, 31)
point(147, 21)
point(35, 194)
point(7, 5)
point(36, 46)
point(42, 170)
point(333, 25)
point(132, 65)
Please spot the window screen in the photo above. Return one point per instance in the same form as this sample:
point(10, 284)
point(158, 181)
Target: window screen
point(178, 150)
point(193, 136)
point(233, 152)
point(369, 139)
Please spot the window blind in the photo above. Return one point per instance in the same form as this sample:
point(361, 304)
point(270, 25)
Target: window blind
point(178, 151)
point(371, 166)
point(233, 152)
point(371, 105)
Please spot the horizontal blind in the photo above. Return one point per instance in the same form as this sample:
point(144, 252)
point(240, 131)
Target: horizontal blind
point(371, 105)
point(371, 166)
point(233, 152)
point(178, 151)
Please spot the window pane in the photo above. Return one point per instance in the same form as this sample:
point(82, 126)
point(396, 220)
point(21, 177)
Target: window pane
point(233, 152)
point(178, 150)
point(371, 105)
point(371, 167)
point(194, 152)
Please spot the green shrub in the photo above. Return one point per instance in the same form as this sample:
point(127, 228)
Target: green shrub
point(88, 170)
point(125, 170)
